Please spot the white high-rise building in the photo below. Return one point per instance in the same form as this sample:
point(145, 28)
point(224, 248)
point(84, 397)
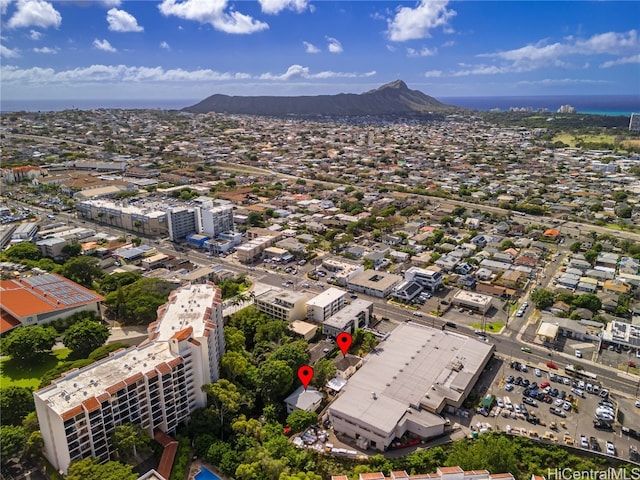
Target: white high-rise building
point(157, 385)
point(217, 220)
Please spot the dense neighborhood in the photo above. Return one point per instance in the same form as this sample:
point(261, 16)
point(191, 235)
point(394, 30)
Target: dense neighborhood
point(189, 264)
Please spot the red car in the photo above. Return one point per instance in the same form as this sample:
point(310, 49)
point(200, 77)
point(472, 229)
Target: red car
point(552, 365)
point(544, 384)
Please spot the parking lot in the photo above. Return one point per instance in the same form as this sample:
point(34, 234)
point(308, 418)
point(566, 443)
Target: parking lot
point(575, 411)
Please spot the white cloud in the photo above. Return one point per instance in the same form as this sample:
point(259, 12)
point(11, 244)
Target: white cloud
point(111, 3)
point(104, 45)
point(450, 43)
point(563, 81)
point(415, 23)
point(123, 74)
point(212, 12)
point(7, 52)
point(35, 35)
point(541, 53)
point(47, 50)
point(310, 48)
point(122, 21)
point(112, 74)
point(35, 13)
point(334, 45)
point(391, 48)
point(273, 7)
point(165, 45)
point(423, 52)
point(3, 6)
point(433, 73)
point(621, 61)
point(298, 71)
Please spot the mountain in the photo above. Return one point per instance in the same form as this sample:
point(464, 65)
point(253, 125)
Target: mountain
point(390, 99)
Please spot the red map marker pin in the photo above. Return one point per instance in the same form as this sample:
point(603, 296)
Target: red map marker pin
point(344, 340)
point(305, 374)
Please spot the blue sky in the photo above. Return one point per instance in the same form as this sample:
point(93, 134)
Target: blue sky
point(189, 49)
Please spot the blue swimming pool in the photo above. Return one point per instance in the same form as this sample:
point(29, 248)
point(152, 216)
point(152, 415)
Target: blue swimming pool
point(206, 474)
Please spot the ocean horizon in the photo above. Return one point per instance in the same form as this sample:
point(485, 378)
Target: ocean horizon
point(612, 105)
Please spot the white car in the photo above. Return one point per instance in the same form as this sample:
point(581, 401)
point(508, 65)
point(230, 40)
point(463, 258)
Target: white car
point(637, 403)
point(584, 443)
point(566, 406)
point(537, 372)
point(500, 403)
point(417, 314)
point(558, 402)
point(578, 354)
point(611, 449)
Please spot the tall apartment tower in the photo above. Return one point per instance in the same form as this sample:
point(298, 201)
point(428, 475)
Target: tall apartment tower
point(634, 122)
point(156, 385)
point(181, 221)
point(217, 220)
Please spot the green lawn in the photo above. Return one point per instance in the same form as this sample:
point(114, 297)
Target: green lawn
point(14, 373)
point(489, 327)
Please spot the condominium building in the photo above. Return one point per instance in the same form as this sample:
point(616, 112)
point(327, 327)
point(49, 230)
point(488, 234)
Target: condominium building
point(357, 314)
point(287, 305)
point(181, 221)
point(147, 218)
point(157, 385)
point(326, 304)
point(217, 220)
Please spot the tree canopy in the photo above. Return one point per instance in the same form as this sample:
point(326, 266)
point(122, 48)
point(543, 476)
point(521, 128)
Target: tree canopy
point(91, 469)
point(83, 270)
point(542, 298)
point(84, 337)
point(12, 442)
point(29, 343)
point(138, 302)
point(15, 404)
point(129, 440)
point(22, 251)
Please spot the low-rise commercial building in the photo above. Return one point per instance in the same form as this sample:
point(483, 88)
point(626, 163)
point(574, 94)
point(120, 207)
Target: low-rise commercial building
point(326, 304)
point(375, 283)
point(427, 278)
point(472, 300)
point(414, 375)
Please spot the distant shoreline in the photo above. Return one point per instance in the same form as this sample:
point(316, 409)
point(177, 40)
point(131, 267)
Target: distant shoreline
point(610, 105)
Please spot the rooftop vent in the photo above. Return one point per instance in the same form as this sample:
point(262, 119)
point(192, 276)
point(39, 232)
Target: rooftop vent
point(374, 396)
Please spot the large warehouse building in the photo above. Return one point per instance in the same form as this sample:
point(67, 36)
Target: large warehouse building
point(411, 377)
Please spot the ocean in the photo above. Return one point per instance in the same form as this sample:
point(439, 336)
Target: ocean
point(591, 104)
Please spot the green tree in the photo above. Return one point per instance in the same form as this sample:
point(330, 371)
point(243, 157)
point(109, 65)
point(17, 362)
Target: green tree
point(575, 247)
point(542, 298)
point(587, 300)
point(234, 339)
point(506, 244)
point(84, 337)
point(72, 250)
point(92, 469)
point(15, 404)
point(83, 270)
point(234, 365)
point(216, 451)
point(129, 439)
point(275, 379)
point(140, 300)
point(225, 398)
point(294, 353)
point(29, 343)
point(22, 251)
point(34, 446)
point(255, 219)
point(300, 476)
point(12, 442)
point(298, 420)
point(110, 283)
point(30, 423)
point(323, 371)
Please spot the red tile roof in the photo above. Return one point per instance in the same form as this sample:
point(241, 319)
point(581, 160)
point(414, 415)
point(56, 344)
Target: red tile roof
point(183, 334)
point(71, 413)
point(43, 294)
point(170, 446)
point(7, 321)
point(91, 404)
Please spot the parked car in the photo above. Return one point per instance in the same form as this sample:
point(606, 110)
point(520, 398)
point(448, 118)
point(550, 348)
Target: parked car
point(537, 372)
point(611, 449)
point(525, 349)
point(595, 446)
point(578, 354)
point(584, 443)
